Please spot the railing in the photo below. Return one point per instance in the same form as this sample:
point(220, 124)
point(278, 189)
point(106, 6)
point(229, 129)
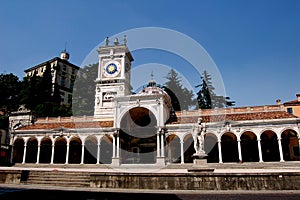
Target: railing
point(184, 113)
point(237, 110)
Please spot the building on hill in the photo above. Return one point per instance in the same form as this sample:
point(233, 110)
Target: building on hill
point(293, 107)
point(141, 129)
point(63, 74)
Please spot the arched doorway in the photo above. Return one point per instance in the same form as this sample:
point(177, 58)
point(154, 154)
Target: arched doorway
point(90, 150)
point(60, 150)
point(211, 148)
point(189, 150)
point(138, 136)
point(18, 150)
point(31, 150)
point(290, 145)
point(106, 150)
point(173, 149)
point(75, 150)
point(269, 146)
point(45, 150)
point(249, 147)
point(229, 147)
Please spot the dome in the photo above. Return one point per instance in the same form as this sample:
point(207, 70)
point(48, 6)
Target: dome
point(153, 89)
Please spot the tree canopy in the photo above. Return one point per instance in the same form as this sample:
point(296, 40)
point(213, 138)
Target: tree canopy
point(10, 88)
point(206, 96)
point(84, 90)
point(181, 97)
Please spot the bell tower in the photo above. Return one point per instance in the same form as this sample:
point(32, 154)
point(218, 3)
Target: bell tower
point(113, 77)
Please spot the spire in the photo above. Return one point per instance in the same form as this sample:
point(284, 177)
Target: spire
point(152, 82)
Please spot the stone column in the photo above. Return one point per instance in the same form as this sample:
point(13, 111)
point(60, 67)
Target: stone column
point(118, 145)
point(157, 145)
point(162, 145)
point(280, 150)
point(220, 151)
point(67, 153)
point(24, 153)
point(82, 154)
point(299, 144)
point(114, 147)
point(52, 154)
point(12, 154)
point(181, 151)
point(239, 149)
point(98, 153)
point(38, 154)
point(259, 150)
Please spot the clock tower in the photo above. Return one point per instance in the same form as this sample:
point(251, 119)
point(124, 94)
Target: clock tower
point(113, 77)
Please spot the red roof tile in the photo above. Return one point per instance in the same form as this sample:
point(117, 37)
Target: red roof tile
point(70, 125)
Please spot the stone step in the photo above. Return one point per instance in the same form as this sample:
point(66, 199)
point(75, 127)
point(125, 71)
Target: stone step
point(56, 178)
point(58, 183)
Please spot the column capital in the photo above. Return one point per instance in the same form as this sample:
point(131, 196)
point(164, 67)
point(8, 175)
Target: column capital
point(116, 132)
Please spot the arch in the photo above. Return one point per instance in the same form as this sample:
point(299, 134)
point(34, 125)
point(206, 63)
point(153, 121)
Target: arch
point(173, 148)
point(18, 150)
point(124, 113)
point(138, 136)
point(45, 150)
point(211, 147)
point(60, 149)
point(229, 147)
point(106, 149)
point(249, 147)
point(188, 146)
point(31, 150)
point(75, 150)
point(269, 146)
point(267, 130)
point(290, 145)
point(90, 150)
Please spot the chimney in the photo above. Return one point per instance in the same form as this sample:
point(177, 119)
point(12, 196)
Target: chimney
point(278, 101)
point(298, 97)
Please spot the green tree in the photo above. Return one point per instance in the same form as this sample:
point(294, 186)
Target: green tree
point(206, 93)
point(181, 97)
point(206, 96)
point(9, 87)
point(84, 90)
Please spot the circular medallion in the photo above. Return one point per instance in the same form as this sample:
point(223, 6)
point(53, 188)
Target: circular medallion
point(112, 69)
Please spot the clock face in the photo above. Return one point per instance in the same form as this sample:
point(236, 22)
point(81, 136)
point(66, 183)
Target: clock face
point(112, 69)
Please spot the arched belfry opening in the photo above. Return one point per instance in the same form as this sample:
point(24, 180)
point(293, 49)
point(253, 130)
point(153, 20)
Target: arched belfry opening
point(138, 139)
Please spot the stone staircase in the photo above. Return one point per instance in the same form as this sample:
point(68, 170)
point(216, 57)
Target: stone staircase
point(56, 178)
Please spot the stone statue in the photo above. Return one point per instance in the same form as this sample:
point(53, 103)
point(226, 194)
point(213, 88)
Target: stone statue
point(199, 138)
point(106, 41)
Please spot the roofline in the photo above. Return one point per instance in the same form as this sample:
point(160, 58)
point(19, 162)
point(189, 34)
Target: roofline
point(50, 61)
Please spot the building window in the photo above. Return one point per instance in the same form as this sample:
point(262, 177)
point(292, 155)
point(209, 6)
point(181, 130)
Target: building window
point(289, 110)
point(72, 84)
point(69, 98)
point(63, 81)
point(73, 71)
point(64, 68)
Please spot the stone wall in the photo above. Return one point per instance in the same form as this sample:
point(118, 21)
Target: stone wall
point(10, 176)
point(198, 181)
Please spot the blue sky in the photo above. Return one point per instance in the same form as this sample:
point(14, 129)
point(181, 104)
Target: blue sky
point(255, 44)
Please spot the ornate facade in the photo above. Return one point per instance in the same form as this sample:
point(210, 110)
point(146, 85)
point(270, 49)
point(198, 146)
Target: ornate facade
point(141, 129)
